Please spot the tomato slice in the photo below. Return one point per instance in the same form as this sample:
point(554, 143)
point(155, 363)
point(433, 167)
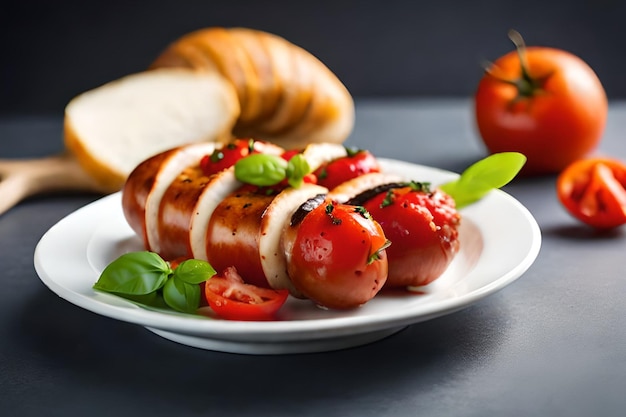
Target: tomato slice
point(232, 299)
point(226, 156)
point(594, 191)
point(358, 162)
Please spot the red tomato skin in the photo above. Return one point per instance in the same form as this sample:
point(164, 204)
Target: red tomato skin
point(330, 263)
point(554, 127)
point(593, 191)
point(423, 230)
point(231, 299)
point(345, 168)
point(226, 156)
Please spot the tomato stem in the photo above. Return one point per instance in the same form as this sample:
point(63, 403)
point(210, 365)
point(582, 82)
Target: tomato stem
point(527, 86)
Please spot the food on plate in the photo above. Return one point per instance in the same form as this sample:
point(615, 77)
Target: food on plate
point(181, 212)
point(147, 278)
point(266, 222)
point(231, 298)
point(423, 225)
point(335, 253)
point(356, 162)
point(594, 191)
point(287, 96)
point(420, 220)
point(545, 103)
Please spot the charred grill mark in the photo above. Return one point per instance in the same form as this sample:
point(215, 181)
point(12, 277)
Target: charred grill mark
point(305, 208)
point(362, 198)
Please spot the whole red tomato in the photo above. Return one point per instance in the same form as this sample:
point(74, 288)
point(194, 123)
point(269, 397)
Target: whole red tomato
point(423, 228)
point(356, 163)
point(594, 191)
point(545, 103)
point(336, 256)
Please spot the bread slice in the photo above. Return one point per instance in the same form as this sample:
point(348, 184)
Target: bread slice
point(114, 127)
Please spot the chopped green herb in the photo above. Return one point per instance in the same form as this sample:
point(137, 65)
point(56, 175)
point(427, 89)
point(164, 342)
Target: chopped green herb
point(376, 255)
point(389, 198)
point(363, 212)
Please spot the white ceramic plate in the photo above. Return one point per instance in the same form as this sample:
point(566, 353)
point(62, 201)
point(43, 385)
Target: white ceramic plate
point(499, 241)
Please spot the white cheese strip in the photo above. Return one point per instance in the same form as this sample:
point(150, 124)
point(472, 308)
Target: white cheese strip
point(221, 185)
point(316, 154)
point(170, 169)
point(356, 186)
point(275, 220)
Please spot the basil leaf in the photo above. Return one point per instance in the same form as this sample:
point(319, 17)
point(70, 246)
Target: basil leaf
point(261, 169)
point(154, 299)
point(134, 273)
point(297, 169)
point(181, 296)
point(194, 271)
point(492, 172)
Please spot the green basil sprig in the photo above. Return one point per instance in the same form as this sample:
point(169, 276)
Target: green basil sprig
point(146, 278)
point(494, 171)
point(265, 170)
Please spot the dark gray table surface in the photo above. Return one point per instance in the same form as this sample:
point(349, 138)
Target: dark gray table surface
point(553, 343)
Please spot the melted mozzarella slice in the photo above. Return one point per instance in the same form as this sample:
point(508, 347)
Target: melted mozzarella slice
point(317, 154)
point(221, 185)
point(358, 185)
point(275, 220)
point(170, 169)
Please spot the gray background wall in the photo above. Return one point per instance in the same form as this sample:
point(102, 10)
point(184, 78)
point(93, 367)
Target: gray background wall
point(53, 50)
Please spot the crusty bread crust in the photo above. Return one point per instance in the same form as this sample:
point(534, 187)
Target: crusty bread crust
point(287, 95)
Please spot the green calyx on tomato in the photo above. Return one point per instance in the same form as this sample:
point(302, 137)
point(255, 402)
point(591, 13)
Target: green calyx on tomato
point(266, 170)
point(494, 171)
point(526, 84)
point(146, 278)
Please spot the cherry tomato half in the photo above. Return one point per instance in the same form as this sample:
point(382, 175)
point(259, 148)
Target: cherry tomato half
point(423, 228)
point(226, 156)
point(594, 191)
point(356, 163)
point(337, 257)
point(545, 103)
point(232, 299)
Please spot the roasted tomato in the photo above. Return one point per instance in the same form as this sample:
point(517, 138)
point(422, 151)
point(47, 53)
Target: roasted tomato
point(423, 228)
point(230, 298)
point(336, 255)
point(594, 191)
point(226, 156)
point(545, 103)
point(356, 163)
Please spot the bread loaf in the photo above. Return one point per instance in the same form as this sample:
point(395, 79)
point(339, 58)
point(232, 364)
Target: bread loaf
point(287, 96)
